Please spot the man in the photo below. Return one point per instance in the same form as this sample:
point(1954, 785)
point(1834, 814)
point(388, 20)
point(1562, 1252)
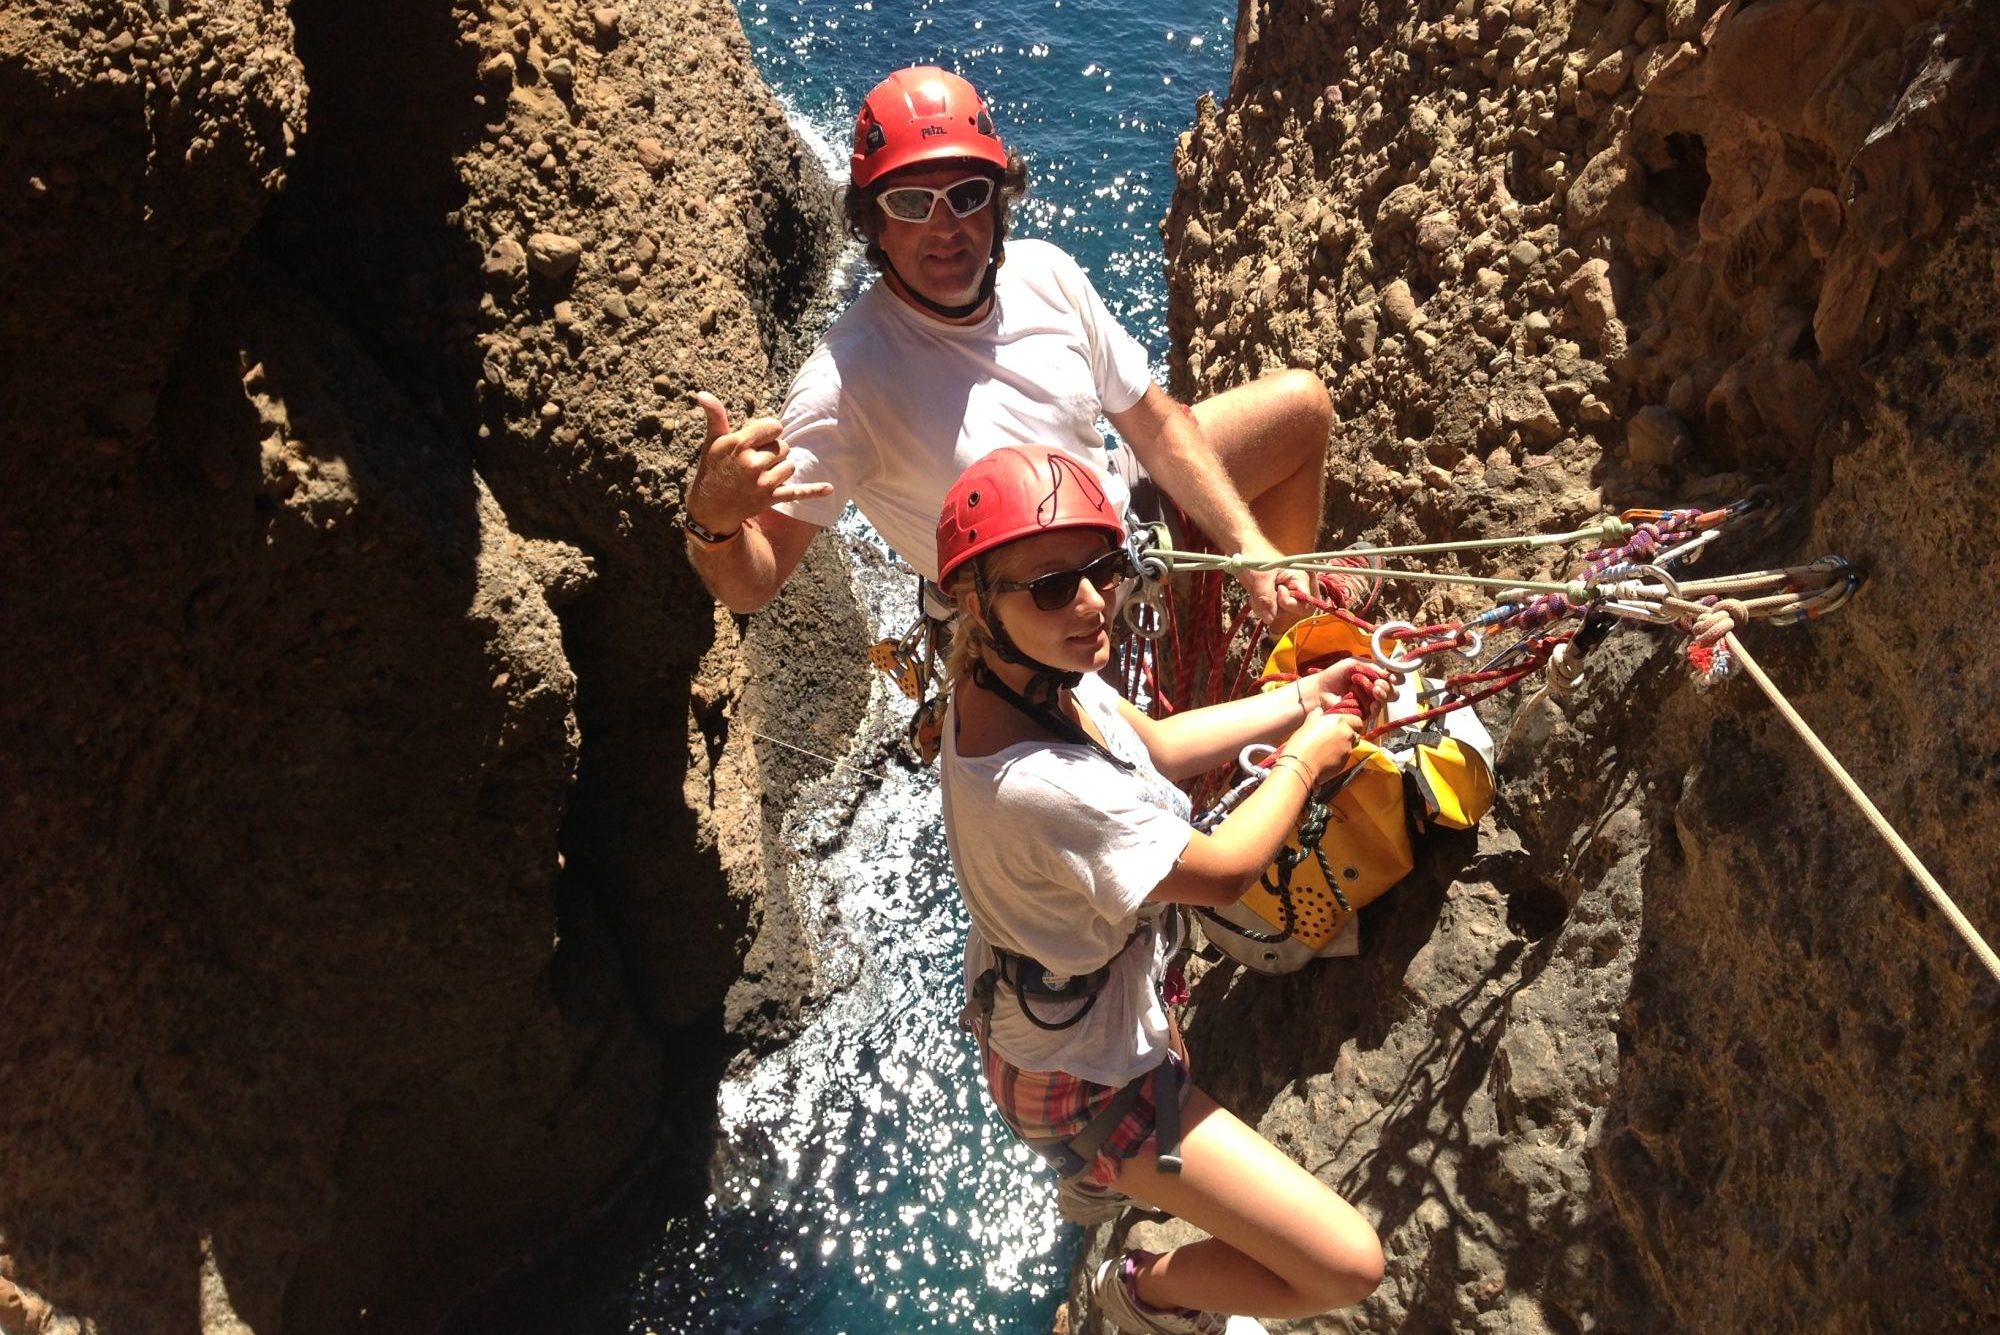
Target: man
point(953, 353)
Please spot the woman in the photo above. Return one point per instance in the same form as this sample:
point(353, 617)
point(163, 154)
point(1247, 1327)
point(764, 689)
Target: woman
point(1072, 849)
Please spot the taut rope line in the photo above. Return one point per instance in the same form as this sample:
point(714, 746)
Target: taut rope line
point(1882, 827)
point(816, 755)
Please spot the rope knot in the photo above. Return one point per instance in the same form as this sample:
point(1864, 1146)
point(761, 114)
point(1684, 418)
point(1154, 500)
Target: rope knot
point(1710, 663)
point(1565, 669)
point(1722, 617)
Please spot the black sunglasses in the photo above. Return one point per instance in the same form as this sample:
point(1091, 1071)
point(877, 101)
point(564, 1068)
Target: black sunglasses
point(1057, 589)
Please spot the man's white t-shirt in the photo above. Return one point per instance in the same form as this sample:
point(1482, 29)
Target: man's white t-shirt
point(1056, 850)
point(893, 404)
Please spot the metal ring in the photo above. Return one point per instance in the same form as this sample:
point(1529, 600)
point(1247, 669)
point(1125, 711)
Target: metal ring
point(1142, 614)
point(1247, 759)
point(1383, 656)
point(1470, 642)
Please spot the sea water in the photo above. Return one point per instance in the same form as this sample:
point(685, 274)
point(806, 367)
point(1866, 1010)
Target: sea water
point(863, 1184)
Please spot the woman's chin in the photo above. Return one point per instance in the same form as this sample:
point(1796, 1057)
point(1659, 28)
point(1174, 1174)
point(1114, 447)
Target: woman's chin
point(1089, 652)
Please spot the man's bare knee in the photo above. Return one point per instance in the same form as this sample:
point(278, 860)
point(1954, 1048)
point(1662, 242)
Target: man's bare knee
point(1303, 396)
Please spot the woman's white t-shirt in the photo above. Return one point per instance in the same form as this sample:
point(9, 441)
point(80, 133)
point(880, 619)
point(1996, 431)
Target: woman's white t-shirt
point(1056, 850)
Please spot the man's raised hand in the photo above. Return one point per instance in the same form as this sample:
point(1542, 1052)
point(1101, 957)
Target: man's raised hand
point(740, 474)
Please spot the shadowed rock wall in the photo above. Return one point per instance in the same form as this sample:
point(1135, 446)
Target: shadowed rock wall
point(1672, 1044)
point(384, 839)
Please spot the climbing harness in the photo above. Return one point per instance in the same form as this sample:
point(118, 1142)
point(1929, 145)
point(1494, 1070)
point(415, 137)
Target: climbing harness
point(1025, 977)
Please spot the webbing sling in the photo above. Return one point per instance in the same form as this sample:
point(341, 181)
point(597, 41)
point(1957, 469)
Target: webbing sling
point(1074, 1156)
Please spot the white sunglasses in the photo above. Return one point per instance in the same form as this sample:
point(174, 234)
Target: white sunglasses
point(914, 203)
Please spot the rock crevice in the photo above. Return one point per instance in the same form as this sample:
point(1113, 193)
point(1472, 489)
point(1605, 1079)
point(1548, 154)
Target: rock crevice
point(391, 829)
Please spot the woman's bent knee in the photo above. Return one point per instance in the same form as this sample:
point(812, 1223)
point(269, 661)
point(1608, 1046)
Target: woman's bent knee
point(1349, 1268)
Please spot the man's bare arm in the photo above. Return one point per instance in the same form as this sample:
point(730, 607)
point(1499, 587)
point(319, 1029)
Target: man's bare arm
point(1168, 441)
point(738, 477)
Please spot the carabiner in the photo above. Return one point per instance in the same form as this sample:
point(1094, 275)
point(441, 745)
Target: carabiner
point(1829, 597)
point(1389, 630)
point(1659, 573)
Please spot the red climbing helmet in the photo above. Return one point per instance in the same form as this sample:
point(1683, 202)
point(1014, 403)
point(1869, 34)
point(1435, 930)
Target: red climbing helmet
point(1015, 492)
point(922, 114)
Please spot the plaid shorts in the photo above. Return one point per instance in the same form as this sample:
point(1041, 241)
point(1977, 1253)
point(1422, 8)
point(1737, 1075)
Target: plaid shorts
point(1055, 1105)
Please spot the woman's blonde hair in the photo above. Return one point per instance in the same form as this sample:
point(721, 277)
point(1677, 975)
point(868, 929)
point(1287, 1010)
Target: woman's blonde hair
point(969, 640)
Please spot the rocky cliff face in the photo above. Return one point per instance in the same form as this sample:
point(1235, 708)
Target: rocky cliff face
point(385, 831)
point(388, 837)
point(1673, 1044)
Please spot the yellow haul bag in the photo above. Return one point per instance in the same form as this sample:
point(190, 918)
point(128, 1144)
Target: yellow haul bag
point(1437, 773)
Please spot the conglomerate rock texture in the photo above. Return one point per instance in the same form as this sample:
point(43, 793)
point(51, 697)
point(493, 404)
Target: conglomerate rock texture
point(1673, 1044)
point(388, 845)
point(384, 841)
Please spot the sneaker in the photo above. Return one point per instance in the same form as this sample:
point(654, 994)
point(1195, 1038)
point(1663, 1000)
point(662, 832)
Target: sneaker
point(1116, 1292)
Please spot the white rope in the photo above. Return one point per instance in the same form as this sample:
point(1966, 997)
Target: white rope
point(1608, 529)
point(1577, 591)
point(835, 761)
point(1882, 827)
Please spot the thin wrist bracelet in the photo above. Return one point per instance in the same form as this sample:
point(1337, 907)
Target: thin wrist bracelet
point(1305, 770)
point(707, 534)
point(1299, 689)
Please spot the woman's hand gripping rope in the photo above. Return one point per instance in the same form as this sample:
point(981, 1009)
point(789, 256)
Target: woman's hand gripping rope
point(1351, 686)
point(1350, 690)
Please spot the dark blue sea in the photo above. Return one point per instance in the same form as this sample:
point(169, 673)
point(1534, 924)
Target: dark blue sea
point(863, 1186)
